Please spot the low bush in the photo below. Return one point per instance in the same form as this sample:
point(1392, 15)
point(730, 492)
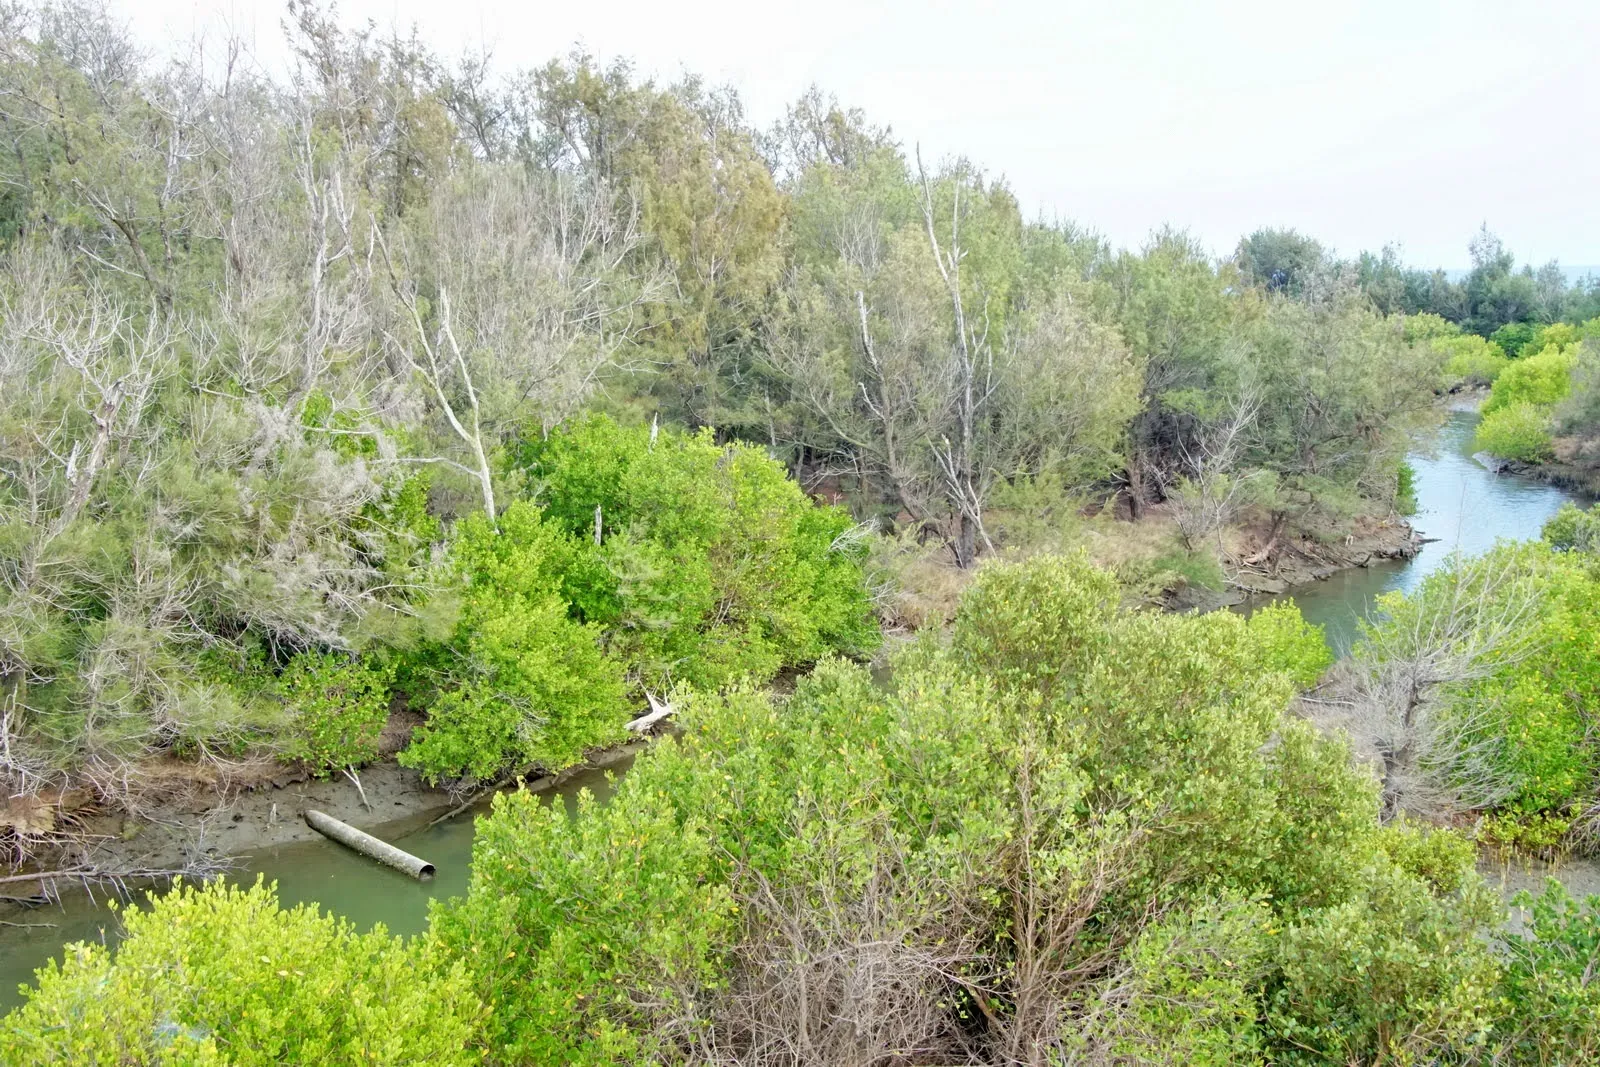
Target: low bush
point(1573, 528)
point(1074, 832)
point(338, 706)
point(224, 976)
point(1472, 360)
point(1540, 380)
point(521, 681)
point(645, 561)
point(1550, 980)
point(1520, 432)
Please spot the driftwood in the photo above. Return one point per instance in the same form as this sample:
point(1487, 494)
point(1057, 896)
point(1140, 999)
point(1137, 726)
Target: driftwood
point(367, 845)
point(1263, 555)
point(658, 710)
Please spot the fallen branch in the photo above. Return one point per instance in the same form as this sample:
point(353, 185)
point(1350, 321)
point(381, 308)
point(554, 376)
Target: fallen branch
point(658, 710)
point(71, 872)
point(349, 772)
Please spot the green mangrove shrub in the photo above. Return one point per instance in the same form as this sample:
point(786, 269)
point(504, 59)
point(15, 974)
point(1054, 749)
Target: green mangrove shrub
point(224, 976)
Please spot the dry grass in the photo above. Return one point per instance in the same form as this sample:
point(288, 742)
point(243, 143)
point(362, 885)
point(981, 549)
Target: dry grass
point(918, 585)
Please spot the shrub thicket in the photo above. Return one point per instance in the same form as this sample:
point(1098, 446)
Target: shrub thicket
point(710, 564)
point(1074, 832)
point(224, 975)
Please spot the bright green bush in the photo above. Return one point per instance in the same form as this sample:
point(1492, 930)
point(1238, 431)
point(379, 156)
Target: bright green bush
point(1190, 994)
point(1540, 380)
point(223, 976)
point(1396, 973)
point(1520, 432)
point(1472, 360)
point(1405, 489)
point(1573, 528)
point(712, 563)
point(1035, 625)
point(521, 681)
point(1515, 338)
point(338, 706)
point(1554, 1015)
point(1289, 644)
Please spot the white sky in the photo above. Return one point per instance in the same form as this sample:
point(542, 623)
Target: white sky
point(1358, 122)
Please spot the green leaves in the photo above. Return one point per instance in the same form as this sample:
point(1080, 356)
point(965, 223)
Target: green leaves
point(222, 975)
point(1550, 978)
point(524, 682)
point(338, 705)
point(1101, 824)
point(711, 566)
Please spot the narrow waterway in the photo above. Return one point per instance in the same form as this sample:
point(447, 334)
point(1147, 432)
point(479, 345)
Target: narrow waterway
point(315, 871)
point(1459, 502)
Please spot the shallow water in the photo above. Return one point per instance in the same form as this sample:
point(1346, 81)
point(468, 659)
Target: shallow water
point(316, 871)
point(1460, 502)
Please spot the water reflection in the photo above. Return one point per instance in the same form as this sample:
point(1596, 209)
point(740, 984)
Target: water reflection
point(1460, 502)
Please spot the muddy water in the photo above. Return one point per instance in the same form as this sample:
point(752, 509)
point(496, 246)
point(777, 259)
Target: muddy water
point(315, 871)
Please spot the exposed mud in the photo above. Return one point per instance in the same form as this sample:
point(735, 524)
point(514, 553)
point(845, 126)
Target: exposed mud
point(198, 822)
point(1263, 565)
point(1575, 468)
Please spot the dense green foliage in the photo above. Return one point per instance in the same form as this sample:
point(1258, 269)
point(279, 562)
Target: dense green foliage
point(267, 346)
point(1074, 832)
point(1071, 833)
point(1518, 431)
point(702, 562)
point(1541, 392)
point(659, 560)
point(1476, 690)
point(1550, 978)
point(1574, 528)
point(520, 680)
point(223, 976)
point(339, 706)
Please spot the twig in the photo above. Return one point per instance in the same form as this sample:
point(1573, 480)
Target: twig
point(356, 778)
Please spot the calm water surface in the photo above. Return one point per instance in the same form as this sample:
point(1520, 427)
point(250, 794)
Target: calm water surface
point(318, 871)
point(1459, 501)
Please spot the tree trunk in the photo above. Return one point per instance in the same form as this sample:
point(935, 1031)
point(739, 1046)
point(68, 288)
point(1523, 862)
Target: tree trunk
point(966, 541)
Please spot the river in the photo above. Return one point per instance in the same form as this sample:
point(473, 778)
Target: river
point(1459, 501)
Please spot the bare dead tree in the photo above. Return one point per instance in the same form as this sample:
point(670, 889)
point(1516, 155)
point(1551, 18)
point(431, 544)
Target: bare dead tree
point(1399, 695)
point(535, 295)
point(848, 969)
point(1209, 497)
point(972, 383)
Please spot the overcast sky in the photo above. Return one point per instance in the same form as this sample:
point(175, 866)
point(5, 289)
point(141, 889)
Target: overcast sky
point(1361, 123)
